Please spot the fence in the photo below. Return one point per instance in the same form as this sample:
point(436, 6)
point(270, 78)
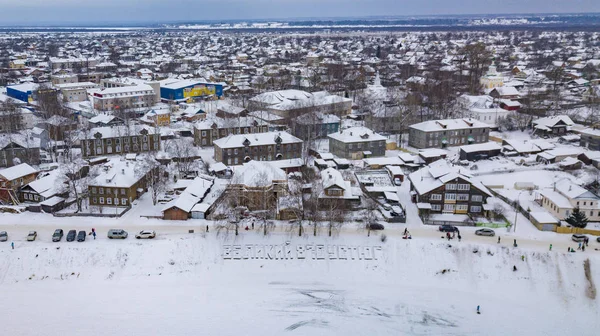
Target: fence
point(571, 230)
point(439, 222)
point(80, 214)
point(493, 225)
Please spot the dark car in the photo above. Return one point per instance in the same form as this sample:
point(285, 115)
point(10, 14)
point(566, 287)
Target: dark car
point(447, 228)
point(71, 235)
point(578, 237)
point(57, 236)
point(81, 236)
point(376, 226)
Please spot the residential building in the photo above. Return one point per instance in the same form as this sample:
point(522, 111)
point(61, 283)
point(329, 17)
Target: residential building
point(57, 63)
point(337, 191)
point(230, 111)
point(60, 127)
point(293, 103)
point(257, 185)
point(119, 183)
point(75, 92)
point(12, 179)
point(315, 125)
point(119, 82)
point(356, 143)
point(448, 132)
point(440, 188)
point(590, 138)
point(557, 125)
point(119, 140)
point(43, 189)
point(209, 130)
point(126, 97)
point(19, 148)
point(566, 196)
point(241, 148)
point(157, 117)
point(505, 92)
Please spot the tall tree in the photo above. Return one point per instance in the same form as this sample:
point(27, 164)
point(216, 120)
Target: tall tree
point(577, 219)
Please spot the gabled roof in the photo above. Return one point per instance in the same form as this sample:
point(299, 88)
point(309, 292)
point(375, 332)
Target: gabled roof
point(18, 171)
point(439, 173)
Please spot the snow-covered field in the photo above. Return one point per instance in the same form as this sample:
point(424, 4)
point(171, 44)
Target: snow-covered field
point(180, 284)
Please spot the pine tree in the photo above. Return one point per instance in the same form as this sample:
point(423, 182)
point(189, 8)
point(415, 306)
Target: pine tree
point(378, 52)
point(577, 219)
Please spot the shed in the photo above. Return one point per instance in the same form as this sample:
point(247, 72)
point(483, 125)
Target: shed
point(200, 210)
point(480, 151)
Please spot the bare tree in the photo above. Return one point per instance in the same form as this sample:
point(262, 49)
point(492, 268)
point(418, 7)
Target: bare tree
point(75, 177)
point(155, 175)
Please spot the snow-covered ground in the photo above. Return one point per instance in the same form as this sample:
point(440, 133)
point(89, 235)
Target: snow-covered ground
point(180, 284)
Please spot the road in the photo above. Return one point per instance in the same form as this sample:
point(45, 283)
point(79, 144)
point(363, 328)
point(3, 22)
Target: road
point(18, 231)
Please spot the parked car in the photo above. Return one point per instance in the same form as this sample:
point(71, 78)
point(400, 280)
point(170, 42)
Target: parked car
point(71, 235)
point(387, 206)
point(598, 239)
point(578, 237)
point(57, 236)
point(146, 234)
point(397, 181)
point(3, 236)
point(32, 235)
point(394, 213)
point(117, 234)
point(485, 232)
point(447, 228)
point(81, 236)
point(375, 226)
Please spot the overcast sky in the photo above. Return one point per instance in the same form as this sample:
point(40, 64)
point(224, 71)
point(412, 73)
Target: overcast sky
point(94, 11)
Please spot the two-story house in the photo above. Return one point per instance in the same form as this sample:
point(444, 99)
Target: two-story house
point(566, 196)
point(209, 130)
point(12, 179)
point(356, 143)
point(270, 146)
point(119, 183)
point(337, 190)
point(440, 188)
point(448, 132)
point(19, 148)
point(119, 140)
point(257, 185)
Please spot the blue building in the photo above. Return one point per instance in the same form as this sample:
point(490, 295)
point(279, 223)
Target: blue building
point(22, 92)
point(189, 90)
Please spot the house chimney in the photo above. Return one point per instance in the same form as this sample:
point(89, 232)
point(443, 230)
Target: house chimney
point(123, 171)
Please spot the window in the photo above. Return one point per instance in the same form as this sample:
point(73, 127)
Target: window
point(116, 201)
point(203, 133)
point(450, 186)
point(464, 186)
point(449, 207)
point(235, 151)
point(101, 200)
point(94, 191)
point(436, 197)
point(462, 197)
point(94, 200)
point(108, 200)
point(123, 201)
point(450, 197)
point(462, 207)
point(476, 198)
point(436, 207)
point(591, 214)
point(101, 191)
point(475, 208)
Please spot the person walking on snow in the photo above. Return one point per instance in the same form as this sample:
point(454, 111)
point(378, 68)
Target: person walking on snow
point(12, 244)
point(583, 248)
point(94, 234)
point(522, 258)
point(478, 312)
point(459, 237)
point(550, 247)
point(498, 239)
point(405, 231)
point(207, 228)
point(579, 247)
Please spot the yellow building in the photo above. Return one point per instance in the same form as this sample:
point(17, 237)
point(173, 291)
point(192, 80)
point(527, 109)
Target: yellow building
point(492, 79)
point(17, 64)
